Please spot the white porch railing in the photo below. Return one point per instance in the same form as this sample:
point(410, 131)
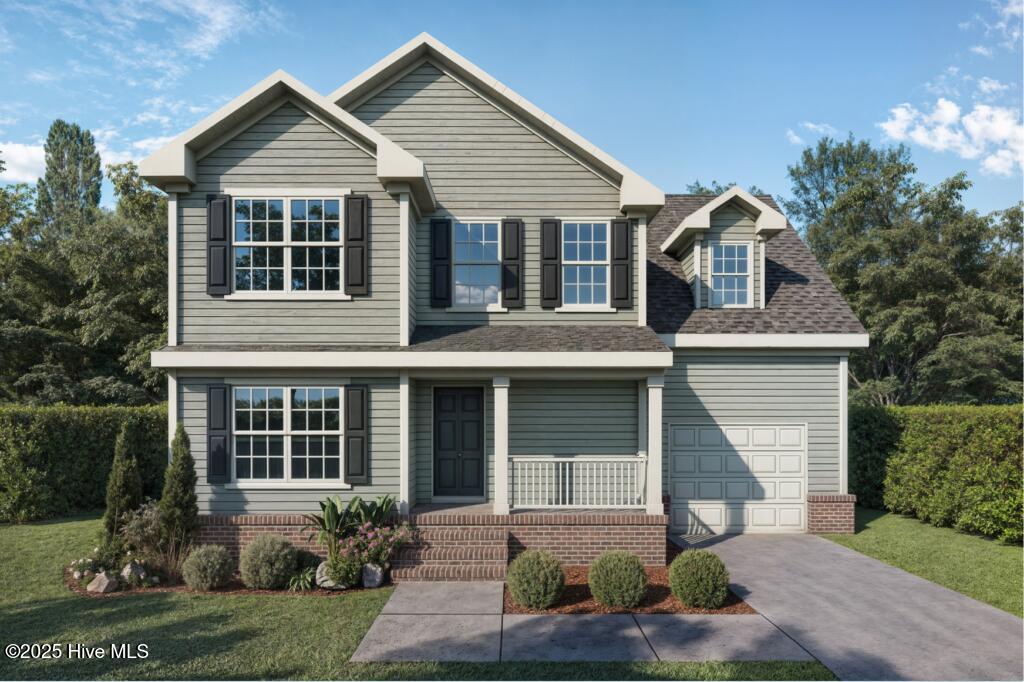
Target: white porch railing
point(578, 482)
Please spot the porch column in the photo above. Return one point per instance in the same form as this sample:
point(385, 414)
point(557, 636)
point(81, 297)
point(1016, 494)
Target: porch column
point(404, 442)
point(501, 385)
point(655, 384)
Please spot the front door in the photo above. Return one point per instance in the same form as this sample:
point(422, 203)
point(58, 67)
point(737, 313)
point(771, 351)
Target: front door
point(459, 442)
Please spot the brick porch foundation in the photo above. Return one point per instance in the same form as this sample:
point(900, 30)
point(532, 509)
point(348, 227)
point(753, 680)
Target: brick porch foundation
point(830, 513)
point(236, 531)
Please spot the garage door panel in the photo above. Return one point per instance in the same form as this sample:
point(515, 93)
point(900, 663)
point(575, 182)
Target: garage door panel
point(738, 478)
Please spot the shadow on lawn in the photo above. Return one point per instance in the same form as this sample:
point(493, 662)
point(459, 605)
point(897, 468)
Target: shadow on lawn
point(166, 624)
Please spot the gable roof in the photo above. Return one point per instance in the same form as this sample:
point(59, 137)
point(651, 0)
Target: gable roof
point(800, 297)
point(174, 165)
point(635, 193)
point(768, 221)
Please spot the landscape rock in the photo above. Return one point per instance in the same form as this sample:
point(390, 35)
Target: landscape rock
point(77, 575)
point(323, 581)
point(102, 584)
point(373, 575)
point(133, 572)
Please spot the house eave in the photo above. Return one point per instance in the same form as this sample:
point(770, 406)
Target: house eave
point(838, 341)
point(768, 222)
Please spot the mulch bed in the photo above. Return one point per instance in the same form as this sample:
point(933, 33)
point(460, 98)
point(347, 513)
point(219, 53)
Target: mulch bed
point(576, 598)
point(235, 588)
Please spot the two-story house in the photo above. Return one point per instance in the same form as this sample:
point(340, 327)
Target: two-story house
point(423, 285)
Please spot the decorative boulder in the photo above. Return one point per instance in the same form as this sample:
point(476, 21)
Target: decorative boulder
point(373, 575)
point(133, 572)
point(323, 581)
point(77, 575)
point(102, 583)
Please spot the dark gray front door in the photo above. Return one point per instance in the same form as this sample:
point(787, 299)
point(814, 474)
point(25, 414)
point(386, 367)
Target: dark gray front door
point(459, 442)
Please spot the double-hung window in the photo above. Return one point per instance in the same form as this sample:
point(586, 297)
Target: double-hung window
point(288, 246)
point(585, 263)
point(477, 263)
point(731, 275)
point(287, 433)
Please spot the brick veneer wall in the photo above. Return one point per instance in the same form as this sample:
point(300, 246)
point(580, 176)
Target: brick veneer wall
point(236, 531)
point(830, 513)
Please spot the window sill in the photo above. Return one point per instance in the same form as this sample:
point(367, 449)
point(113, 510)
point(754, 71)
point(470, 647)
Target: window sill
point(586, 308)
point(287, 485)
point(283, 296)
point(492, 308)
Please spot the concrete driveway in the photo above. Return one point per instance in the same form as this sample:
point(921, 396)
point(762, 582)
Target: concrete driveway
point(865, 619)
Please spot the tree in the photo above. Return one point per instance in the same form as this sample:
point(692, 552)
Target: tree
point(70, 187)
point(697, 187)
point(179, 510)
point(937, 286)
point(124, 487)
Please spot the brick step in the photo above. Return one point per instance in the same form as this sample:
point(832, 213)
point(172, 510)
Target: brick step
point(433, 554)
point(455, 535)
point(491, 571)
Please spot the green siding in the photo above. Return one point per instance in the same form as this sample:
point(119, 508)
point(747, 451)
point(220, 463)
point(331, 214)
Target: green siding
point(769, 387)
point(219, 499)
point(288, 148)
point(572, 418)
point(484, 164)
point(729, 224)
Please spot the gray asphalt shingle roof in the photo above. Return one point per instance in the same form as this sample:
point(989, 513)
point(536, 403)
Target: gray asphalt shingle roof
point(800, 297)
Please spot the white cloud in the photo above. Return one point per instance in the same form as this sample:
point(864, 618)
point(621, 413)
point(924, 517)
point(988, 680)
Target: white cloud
point(990, 86)
point(792, 137)
point(24, 162)
point(818, 128)
point(982, 50)
point(994, 134)
point(42, 76)
point(6, 42)
point(148, 145)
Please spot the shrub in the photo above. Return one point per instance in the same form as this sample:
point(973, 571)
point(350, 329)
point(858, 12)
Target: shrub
point(345, 569)
point(959, 466)
point(375, 545)
point(179, 510)
point(306, 559)
point(535, 579)
point(124, 487)
point(143, 532)
point(55, 461)
point(267, 563)
point(873, 435)
point(304, 579)
point(208, 567)
point(698, 578)
point(618, 579)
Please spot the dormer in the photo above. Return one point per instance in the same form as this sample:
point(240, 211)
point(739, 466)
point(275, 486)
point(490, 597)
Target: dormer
point(721, 250)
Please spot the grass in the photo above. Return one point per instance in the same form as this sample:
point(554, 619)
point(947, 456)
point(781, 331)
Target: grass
point(193, 636)
point(978, 567)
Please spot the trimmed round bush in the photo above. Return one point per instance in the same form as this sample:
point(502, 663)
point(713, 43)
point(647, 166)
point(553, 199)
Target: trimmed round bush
point(306, 559)
point(268, 563)
point(698, 579)
point(618, 579)
point(208, 567)
point(535, 579)
point(346, 570)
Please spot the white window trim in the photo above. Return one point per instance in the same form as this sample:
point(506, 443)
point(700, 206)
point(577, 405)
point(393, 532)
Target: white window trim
point(475, 307)
point(749, 275)
point(288, 294)
point(605, 307)
point(288, 482)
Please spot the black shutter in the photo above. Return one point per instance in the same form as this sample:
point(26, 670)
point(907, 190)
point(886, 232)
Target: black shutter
point(357, 429)
point(218, 244)
point(357, 245)
point(440, 263)
point(622, 264)
point(218, 433)
point(550, 263)
point(512, 263)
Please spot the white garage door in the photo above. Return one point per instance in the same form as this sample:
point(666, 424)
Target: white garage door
point(741, 478)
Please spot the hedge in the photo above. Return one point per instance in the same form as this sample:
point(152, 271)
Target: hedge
point(948, 465)
point(55, 461)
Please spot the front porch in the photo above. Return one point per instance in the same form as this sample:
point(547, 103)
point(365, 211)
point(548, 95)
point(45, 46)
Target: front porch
point(473, 542)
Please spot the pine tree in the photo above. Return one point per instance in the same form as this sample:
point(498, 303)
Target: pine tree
point(124, 487)
point(179, 511)
point(70, 188)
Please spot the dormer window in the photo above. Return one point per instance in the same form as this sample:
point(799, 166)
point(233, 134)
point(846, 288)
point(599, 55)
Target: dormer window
point(731, 275)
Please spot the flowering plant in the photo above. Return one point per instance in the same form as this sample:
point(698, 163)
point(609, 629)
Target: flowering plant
point(375, 544)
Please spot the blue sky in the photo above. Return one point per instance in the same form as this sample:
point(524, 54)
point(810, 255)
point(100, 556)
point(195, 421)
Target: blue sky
point(676, 90)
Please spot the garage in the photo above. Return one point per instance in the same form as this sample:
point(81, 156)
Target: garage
point(738, 478)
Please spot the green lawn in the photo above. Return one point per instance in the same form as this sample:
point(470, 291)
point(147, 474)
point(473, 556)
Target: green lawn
point(245, 637)
point(978, 567)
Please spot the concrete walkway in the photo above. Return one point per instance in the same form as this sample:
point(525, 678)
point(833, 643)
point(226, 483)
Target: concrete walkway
point(463, 621)
point(866, 620)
